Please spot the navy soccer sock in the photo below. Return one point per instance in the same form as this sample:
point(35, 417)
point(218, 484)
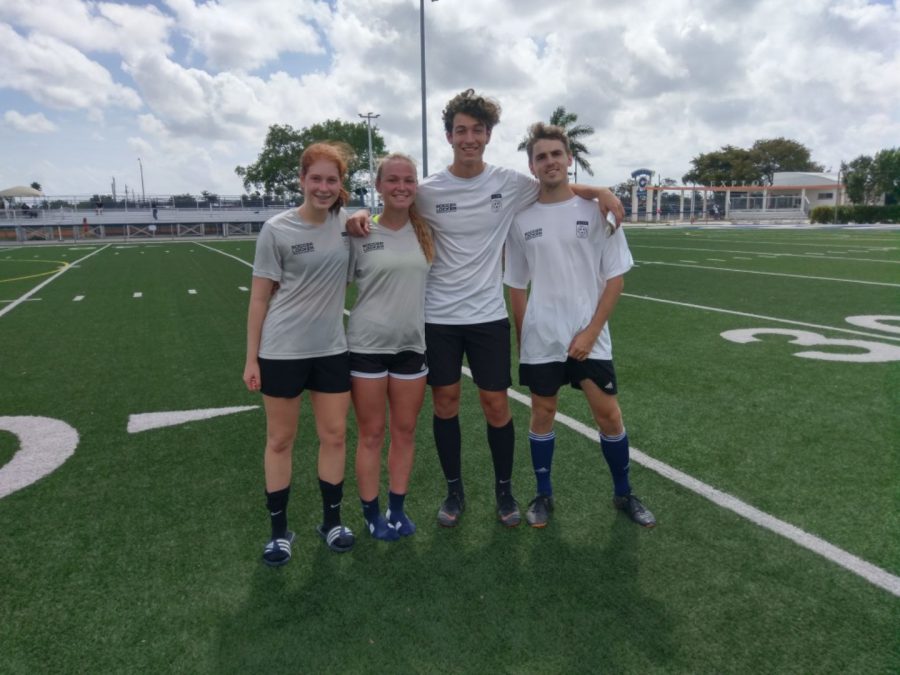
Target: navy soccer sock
point(615, 450)
point(371, 510)
point(395, 503)
point(277, 503)
point(542, 446)
point(331, 503)
point(502, 441)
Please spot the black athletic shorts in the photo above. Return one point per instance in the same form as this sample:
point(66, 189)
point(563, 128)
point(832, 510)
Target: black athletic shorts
point(406, 365)
point(287, 378)
point(545, 379)
point(485, 345)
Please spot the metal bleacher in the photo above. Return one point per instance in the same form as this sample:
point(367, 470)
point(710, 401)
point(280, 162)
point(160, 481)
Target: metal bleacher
point(73, 224)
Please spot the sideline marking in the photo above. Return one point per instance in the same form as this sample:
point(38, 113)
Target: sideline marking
point(772, 274)
point(761, 316)
point(34, 290)
point(858, 566)
point(871, 573)
point(159, 420)
point(818, 256)
point(44, 445)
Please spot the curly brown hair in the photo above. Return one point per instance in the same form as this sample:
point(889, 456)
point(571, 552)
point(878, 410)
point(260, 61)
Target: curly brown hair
point(485, 110)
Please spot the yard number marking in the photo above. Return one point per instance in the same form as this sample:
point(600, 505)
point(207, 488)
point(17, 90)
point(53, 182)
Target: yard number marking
point(44, 444)
point(873, 352)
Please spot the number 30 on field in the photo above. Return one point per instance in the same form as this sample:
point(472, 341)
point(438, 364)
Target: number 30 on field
point(872, 352)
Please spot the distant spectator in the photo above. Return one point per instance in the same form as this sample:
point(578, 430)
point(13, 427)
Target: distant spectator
point(84, 227)
point(155, 213)
point(98, 207)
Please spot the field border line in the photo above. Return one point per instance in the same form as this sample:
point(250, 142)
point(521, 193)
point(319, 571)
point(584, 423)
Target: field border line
point(15, 303)
point(770, 274)
point(871, 573)
point(780, 255)
point(761, 316)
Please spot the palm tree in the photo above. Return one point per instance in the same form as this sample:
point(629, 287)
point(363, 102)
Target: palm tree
point(562, 118)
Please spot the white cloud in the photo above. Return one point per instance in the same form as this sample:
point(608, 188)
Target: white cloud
point(57, 74)
point(659, 83)
point(237, 35)
point(34, 124)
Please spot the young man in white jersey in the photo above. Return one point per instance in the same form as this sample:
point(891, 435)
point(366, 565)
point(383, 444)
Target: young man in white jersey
point(470, 206)
point(560, 246)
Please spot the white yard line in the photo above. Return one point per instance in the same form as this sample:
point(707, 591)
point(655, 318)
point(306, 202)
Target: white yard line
point(817, 256)
point(772, 274)
point(761, 316)
point(858, 566)
point(860, 248)
point(23, 298)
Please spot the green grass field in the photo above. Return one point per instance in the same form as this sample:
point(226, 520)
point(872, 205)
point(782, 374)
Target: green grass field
point(140, 552)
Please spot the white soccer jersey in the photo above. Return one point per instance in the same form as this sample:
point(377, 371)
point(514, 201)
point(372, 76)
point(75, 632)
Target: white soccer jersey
point(306, 315)
point(389, 269)
point(470, 218)
point(563, 250)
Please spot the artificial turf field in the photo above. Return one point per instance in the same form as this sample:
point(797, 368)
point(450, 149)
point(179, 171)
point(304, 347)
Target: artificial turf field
point(140, 552)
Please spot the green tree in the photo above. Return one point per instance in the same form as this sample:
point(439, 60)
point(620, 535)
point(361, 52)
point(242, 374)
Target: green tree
point(726, 165)
point(275, 171)
point(781, 154)
point(858, 179)
point(37, 186)
point(758, 164)
point(886, 173)
point(576, 132)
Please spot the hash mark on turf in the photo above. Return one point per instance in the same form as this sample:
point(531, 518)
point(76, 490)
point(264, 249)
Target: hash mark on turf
point(192, 291)
point(243, 288)
point(137, 294)
point(78, 298)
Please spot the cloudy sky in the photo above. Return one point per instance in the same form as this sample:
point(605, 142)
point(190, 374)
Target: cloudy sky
point(191, 87)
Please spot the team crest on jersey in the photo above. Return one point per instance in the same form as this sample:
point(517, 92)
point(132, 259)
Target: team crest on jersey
point(445, 208)
point(581, 229)
point(308, 247)
point(496, 202)
point(346, 239)
point(373, 246)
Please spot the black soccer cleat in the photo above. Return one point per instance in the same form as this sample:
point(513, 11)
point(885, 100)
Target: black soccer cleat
point(539, 510)
point(508, 510)
point(451, 509)
point(635, 510)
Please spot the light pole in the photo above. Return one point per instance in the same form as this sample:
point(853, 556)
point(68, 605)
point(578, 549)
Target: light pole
point(369, 117)
point(143, 194)
point(424, 114)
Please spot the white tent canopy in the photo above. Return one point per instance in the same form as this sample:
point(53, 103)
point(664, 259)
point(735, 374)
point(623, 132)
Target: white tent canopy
point(20, 191)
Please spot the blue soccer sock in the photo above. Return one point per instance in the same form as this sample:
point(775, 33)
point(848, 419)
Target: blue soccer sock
point(371, 509)
point(542, 446)
point(615, 451)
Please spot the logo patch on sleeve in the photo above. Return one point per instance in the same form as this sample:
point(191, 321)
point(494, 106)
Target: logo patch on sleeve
point(581, 229)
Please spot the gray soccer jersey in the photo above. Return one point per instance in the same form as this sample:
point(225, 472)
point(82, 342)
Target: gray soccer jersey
point(564, 251)
point(389, 269)
point(470, 218)
point(309, 262)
